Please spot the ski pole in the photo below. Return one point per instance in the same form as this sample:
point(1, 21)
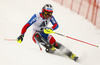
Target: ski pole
point(11, 39)
point(76, 39)
point(39, 46)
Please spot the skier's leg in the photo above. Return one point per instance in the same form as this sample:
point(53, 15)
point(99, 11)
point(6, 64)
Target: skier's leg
point(51, 40)
point(65, 50)
point(38, 38)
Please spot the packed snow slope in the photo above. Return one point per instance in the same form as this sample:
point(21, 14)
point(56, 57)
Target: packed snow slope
point(14, 14)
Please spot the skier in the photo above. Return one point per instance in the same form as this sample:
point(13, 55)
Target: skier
point(39, 22)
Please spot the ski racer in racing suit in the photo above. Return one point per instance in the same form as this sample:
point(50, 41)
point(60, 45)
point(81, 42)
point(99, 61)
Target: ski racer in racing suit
point(39, 22)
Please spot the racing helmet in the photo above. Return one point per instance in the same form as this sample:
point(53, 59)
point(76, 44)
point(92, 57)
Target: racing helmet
point(47, 9)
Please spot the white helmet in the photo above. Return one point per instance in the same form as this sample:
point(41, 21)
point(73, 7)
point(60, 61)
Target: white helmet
point(47, 8)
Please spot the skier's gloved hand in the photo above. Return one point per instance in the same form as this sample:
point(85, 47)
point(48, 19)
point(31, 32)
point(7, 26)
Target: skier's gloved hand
point(48, 30)
point(20, 38)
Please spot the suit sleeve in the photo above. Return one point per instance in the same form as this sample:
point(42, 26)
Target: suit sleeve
point(54, 23)
point(28, 24)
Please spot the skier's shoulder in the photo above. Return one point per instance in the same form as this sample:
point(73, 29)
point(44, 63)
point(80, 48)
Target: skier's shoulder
point(35, 16)
point(52, 17)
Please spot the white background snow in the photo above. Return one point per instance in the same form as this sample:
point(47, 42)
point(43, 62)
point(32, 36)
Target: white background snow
point(14, 14)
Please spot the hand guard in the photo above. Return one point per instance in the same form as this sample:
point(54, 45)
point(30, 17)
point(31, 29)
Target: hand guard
point(48, 30)
point(20, 38)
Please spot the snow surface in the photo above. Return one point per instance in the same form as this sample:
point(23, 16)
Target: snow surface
point(14, 14)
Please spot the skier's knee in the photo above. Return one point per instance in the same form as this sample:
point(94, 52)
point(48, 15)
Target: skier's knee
point(38, 37)
point(58, 45)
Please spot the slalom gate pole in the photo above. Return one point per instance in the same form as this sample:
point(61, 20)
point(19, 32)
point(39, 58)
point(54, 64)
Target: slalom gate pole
point(76, 39)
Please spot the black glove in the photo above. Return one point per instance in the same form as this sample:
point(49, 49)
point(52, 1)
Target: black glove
point(20, 38)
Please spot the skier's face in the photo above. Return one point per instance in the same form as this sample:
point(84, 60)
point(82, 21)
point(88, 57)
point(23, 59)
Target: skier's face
point(47, 14)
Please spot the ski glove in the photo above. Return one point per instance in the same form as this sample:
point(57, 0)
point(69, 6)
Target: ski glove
point(48, 30)
point(20, 38)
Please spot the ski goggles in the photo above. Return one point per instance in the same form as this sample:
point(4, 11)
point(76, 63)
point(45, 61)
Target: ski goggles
point(47, 13)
